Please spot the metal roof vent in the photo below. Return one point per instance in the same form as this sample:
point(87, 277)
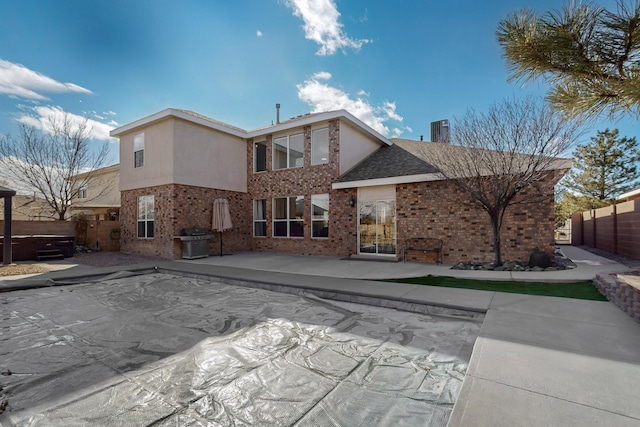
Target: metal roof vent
point(440, 131)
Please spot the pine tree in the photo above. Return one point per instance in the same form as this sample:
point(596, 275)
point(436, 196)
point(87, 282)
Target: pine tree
point(589, 55)
point(606, 167)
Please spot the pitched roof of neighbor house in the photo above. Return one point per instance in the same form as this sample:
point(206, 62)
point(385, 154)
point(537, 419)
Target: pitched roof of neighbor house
point(305, 119)
point(106, 169)
point(629, 194)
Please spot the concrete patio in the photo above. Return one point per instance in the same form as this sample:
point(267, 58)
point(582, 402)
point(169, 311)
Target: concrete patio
point(538, 361)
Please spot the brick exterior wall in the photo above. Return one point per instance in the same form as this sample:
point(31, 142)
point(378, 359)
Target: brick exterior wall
point(305, 181)
point(427, 209)
point(438, 210)
point(180, 206)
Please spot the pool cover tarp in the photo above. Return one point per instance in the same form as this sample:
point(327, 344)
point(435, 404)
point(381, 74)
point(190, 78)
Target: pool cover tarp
point(168, 350)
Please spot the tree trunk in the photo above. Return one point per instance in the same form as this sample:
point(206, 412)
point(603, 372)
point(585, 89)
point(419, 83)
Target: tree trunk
point(497, 250)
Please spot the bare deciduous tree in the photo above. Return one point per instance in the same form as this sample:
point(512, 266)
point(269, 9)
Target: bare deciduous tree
point(47, 160)
point(509, 155)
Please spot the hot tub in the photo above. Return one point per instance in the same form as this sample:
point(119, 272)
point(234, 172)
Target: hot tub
point(25, 247)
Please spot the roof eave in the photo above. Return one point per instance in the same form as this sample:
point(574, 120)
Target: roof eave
point(172, 112)
point(315, 118)
point(392, 180)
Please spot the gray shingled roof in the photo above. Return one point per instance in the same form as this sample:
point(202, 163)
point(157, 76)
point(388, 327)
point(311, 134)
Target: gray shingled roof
point(406, 157)
point(400, 159)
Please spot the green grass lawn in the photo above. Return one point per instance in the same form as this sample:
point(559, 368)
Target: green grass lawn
point(577, 290)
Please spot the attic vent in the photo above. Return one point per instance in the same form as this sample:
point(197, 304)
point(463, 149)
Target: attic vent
point(440, 131)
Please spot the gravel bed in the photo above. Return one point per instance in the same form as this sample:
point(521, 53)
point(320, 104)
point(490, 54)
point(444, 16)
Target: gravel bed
point(93, 259)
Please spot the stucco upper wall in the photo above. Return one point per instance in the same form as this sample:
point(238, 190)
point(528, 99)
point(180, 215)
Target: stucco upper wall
point(181, 152)
point(158, 156)
point(354, 146)
point(212, 159)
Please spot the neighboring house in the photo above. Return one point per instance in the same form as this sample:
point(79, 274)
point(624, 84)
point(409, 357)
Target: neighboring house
point(29, 208)
point(98, 194)
point(318, 184)
point(630, 195)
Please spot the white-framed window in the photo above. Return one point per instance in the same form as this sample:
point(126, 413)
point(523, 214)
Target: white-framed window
point(320, 215)
point(260, 218)
point(145, 216)
point(83, 190)
point(260, 156)
point(288, 216)
point(288, 151)
point(320, 146)
point(138, 150)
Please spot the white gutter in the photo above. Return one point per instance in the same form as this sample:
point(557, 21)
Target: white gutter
point(171, 112)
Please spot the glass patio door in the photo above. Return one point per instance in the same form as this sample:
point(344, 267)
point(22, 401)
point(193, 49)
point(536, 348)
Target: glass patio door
point(377, 227)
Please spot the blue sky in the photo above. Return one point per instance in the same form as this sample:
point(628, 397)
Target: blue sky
point(396, 65)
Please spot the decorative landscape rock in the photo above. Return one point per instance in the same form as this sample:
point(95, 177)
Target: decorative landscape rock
point(556, 263)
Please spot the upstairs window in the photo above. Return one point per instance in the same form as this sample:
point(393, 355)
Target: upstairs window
point(260, 156)
point(288, 217)
point(145, 216)
point(288, 151)
point(320, 146)
point(138, 150)
point(83, 190)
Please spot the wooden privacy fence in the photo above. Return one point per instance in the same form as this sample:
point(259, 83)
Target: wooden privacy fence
point(614, 228)
point(102, 234)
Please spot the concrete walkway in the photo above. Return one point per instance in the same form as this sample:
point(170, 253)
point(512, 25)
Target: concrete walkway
point(588, 265)
point(539, 361)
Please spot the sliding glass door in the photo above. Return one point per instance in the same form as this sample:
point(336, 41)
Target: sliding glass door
point(377, 227)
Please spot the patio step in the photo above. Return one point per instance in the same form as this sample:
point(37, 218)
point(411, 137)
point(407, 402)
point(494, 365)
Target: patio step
point(49, 255)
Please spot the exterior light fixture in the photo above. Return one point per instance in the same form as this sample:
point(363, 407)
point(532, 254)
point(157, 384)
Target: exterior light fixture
point(352, 202)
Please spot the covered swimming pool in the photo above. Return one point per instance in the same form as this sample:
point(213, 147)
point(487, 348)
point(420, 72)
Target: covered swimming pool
point(168, 349)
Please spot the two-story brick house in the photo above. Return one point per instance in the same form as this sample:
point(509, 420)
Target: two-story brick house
point(318, 184)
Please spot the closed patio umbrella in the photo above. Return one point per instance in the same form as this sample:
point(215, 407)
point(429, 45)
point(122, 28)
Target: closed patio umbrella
point(221, 219)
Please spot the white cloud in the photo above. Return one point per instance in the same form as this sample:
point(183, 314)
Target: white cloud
point(322, 25)
point(18, 81)
point(322, 75)
point(44, 115)
point(259, 33)
point(322, 97)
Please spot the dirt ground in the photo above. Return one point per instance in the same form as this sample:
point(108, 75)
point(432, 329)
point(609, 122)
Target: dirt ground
point(94, 259)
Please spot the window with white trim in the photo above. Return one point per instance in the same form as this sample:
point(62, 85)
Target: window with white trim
point(260, 156)
point(288, 216)
point(320, 146)
point(260, 218)
point(83, 190)
point(320, 215)
point(138, 150)
point(288, 151)
point(145, 216)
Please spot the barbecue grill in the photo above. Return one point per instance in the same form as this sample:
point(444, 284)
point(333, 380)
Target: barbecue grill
point(195, 242)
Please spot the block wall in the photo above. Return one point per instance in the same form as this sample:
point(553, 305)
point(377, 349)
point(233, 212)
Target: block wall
point(615, 228)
